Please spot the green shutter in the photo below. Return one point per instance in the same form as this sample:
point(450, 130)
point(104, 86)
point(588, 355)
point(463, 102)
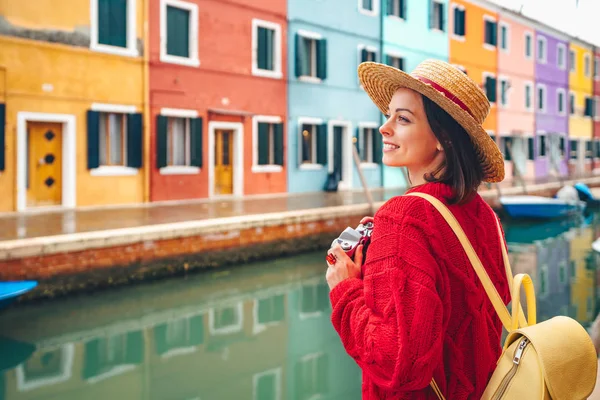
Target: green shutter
point(430, 9)
point(278, 144)
point(300, 56)
point(322, 144)
point(263, 143)
point(388, 60)
point(377, 147)
point(494, 33)
point(265, 48)
point(160, 339)
point(135, 348)
point(490, 89)
point(112, 22)
point(197, 330)
point(93, 139)
point(134, 140)
point(322, 59)
point(403, 9)
point(364, 54)
point(161, 141)
point(178, 32)
point(442, 17)
point(462, 22)
point(531, 149)
point(196, 142)
point(390, 7)
point(357, 141)
point(2, 137)
point(91, 364)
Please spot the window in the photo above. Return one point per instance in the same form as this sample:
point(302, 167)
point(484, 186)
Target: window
point(367, 54)
point(369, 144)
point(112, 138)
point(267, 385)
point(312, 376)
point(505, 146)
point(561, 57)
point(528, 92)
point(314, 143)
point(504, 36)
point(368, 7)
point(490, 88)
point(270, 309)
point(268, 141)
point(266, 49)
point(572, 61)
point(573, 147)
point(504, 86)
point(589, 152)
point(541, 98)
point(597, 143)
point(437, 16)
point(541, 145)
point(597, 68)
point(597, 107)
point(561, 147)
point(561, 106)
point(587, 67)
point(179, 32)
point(490, 32)
point(395, 61)
point(589, 107)
point(311, 56)
point(459, 21)
point(530, 149)
point(178, 142)
point(528, 47)
point(541, 50)
point(397, 8)
point(572, 103)
point(314, 299)
point(226, 319)
point(113, 27)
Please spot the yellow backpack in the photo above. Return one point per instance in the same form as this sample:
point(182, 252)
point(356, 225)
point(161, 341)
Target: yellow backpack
point(553, 359)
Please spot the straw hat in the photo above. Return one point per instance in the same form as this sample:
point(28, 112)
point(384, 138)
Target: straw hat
point(449, 88)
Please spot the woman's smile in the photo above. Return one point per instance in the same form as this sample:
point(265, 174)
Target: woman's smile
point(389, 146)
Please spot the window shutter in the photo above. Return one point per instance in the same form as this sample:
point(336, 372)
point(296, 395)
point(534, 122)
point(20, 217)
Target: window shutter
point(196, 142)
point(178, 32)
point(463, 22)
point(431, 20)
point(322, 59)
point(263, 143)
point(456, 21)
point(134, 140)
point(2, 137)
point(93, 139)
point(322, 144)
point(196, 330)
point(300, 56)
point(403, 10)
point(390, 7)
point(278, 144)
point(442, 17)
point(261, 51)
point(508, 148)
point(490, 89)
point(531, 148)
point(364, 55)
point(494, 33)
point(112, 22)
point(357, 141)
point(135, 348)
point(388, 59)
point(377, 147)
point(161, 141)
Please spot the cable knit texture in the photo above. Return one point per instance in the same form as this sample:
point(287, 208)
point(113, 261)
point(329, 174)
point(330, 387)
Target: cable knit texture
point(419, 310)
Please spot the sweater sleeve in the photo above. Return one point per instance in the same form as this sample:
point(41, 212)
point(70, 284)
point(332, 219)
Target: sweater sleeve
point(391, 323)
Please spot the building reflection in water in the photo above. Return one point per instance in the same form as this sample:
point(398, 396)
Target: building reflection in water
point(261, 332)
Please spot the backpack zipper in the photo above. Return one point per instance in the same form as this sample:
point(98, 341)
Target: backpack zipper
point(508, 378)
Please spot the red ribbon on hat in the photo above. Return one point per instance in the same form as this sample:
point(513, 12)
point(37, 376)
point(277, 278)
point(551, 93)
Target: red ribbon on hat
point(446, 93)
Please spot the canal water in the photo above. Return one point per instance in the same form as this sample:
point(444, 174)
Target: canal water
point(260, 332)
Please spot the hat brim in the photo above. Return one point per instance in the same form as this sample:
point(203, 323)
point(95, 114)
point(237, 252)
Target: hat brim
point(381, 81)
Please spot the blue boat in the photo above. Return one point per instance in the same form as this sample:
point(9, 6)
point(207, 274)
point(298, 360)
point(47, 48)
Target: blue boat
point(585, 194)
point(538, 207)
point(10, 291)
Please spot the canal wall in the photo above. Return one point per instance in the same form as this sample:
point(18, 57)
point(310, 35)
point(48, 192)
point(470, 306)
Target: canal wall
point(94, 260)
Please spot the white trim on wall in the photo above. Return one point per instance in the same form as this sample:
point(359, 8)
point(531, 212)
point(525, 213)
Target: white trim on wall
point(255, 121)
point(131, 49)
point(178, 112)
point(238, 156)
point(179, 169)
point(69, 163)
point(192, 60)
point(114, 108)
point(277, 72)
point(371, 13)
point(65, 373)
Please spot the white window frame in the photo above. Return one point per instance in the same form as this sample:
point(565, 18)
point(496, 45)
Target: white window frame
point(277, 72)
point(485, 75)
point(452, 34)
point(179, 169)
point(131, 49)
point(574, 96)
point(308, 121)
point(491, 18)
point(314, 36)
point(596, 68)
point(255, 378)
point(193, 60)
point(544, 109)
point(541, 39)
point(504, 24)
point(372, 49)
point(371, 13)
point(396, 17)
point(396, 54)
point(530, 35)
point(269, 119)
point(572, 65)
point(361, 127)
point(587, 64)
point(565, 104)
point(114, 170)
point(531, 107)
point(562, 66)
point(503, 78)
point(443, 3)
point(237, 327)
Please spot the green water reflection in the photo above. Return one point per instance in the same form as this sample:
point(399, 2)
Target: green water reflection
point(257, 332)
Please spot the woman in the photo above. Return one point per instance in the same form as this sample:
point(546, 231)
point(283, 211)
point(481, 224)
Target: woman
point(419, 311)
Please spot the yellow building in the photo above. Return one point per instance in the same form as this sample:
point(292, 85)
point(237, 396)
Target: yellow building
point(73, 89)
point(581, 106)
point(582, 276)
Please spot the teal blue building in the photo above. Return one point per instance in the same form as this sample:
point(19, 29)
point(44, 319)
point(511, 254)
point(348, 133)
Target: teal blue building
point(328, 110)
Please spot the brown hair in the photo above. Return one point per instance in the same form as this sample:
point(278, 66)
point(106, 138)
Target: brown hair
point(461, 168)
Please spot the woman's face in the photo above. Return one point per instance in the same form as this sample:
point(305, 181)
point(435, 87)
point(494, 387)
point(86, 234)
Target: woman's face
point(408, 140)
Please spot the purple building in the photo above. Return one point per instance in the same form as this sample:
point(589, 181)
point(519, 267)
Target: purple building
point(550, 100)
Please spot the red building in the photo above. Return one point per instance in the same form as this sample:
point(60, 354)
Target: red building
point(596, 114)
point(218, 98)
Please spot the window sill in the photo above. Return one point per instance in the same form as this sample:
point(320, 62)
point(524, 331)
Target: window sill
point(489, 47)
point(188, 62)
point(369, 13)
point(311, 167)
point(368, 165)
point(266, 168)
point(113, 170)
point(459, 38)
point(437, 30)
point(118, 51)
point(396, 18)
point(179, 170)
point(310, 79)
point(265, 73)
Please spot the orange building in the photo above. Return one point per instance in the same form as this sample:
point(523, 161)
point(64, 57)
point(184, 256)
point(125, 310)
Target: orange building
point(217, 95)
point(474, 46)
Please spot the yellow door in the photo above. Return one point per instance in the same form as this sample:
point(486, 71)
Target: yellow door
point(223, 162)
point(44, 175)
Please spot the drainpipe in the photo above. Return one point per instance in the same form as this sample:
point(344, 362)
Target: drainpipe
point(146, 106)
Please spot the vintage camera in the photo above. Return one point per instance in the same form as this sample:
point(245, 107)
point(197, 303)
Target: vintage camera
point(350, 238)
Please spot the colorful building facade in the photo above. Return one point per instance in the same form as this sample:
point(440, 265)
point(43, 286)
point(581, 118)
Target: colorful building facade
point(516, 120)
point(596, 108)
point(550, 101)
point(70, 137)
point(328, 110)
point(217, 98)
point(413, 31)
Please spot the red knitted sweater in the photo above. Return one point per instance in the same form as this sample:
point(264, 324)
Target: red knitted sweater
point(420, 310)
